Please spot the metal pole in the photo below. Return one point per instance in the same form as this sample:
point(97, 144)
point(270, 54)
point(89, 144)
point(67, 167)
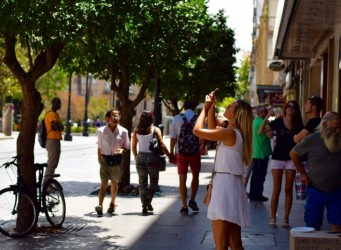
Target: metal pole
point(85, 121)
point(158, 104)
point(68, 136)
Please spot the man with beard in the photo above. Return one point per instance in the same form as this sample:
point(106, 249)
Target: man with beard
point(323, 151)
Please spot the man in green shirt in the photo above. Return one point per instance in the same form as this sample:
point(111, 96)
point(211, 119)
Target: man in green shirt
point(261, 150)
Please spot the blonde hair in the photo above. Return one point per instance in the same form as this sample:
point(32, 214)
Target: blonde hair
point(243, 121)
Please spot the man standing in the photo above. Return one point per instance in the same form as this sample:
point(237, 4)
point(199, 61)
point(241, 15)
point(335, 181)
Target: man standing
point(323, 151)
point(188, 154)
point(261, 150)
point(313, 109)
point(113, 139)
point(54, 128)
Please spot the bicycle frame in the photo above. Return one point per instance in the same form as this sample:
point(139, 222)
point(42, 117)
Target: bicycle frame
point(49, 199)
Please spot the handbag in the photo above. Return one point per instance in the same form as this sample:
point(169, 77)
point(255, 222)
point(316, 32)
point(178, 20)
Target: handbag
point(162, 163)
point(154, 145)
point(207, 196)
point(113, 160)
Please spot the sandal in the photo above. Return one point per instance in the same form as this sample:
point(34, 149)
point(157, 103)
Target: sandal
point(285, 224)
point(272, 223)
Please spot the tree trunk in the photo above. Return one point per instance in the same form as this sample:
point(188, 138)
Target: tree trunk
point(25, 145)
point(126, 121)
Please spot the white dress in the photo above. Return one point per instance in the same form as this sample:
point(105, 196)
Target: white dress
point(229, 201)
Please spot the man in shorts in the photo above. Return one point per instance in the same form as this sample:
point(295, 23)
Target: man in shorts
point(183, 160)
point(113, 139)
point(323, 151)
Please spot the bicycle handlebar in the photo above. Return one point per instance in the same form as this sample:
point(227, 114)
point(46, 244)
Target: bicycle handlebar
point(12, 162)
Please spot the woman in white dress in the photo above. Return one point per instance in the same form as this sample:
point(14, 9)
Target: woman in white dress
point(229, 209)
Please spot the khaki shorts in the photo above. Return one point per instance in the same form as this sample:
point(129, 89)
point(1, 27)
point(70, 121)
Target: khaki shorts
point(113, 173)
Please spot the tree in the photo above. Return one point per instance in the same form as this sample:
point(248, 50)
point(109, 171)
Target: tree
point(130, 43)
point(8, 83)
point(51, 83)
point(210, 65)
point(243, 84)
point(43, 28)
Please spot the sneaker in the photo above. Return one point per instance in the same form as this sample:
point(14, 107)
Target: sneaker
point(150, 207)
point(184, 210)
point(193, 205)
point(99, 210)
point(111, 208)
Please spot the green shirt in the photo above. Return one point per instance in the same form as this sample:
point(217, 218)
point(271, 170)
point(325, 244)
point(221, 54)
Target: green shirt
point(261, 146)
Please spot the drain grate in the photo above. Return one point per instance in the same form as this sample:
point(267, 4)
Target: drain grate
point(67, 228)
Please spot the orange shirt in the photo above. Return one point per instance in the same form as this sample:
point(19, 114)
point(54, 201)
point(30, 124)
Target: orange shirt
point(49, 117)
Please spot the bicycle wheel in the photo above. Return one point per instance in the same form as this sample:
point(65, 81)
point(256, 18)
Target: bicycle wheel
point(18, 213)
point(54, 203)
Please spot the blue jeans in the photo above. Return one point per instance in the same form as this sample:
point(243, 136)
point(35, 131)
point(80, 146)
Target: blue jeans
point(147, 166)
point(259, 170)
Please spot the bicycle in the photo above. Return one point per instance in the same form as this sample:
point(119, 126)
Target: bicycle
point(15, 200)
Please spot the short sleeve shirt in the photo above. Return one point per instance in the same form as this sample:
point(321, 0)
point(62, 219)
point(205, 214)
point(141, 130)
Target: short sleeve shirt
point(52, 134)
point(324, 167)
point(109, 142)
point(261, 145)
point(284, 140)
point(312, 124)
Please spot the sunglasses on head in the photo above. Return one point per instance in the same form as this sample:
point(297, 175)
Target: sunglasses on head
point(313, 100)
point(292, 106)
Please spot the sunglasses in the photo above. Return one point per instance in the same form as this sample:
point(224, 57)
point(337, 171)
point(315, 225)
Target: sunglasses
point(115, 116)
point(291, 106)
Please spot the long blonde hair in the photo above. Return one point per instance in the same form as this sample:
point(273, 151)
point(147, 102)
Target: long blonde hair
point(243, 121)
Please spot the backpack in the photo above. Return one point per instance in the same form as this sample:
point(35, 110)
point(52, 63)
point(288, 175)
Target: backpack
point(188, 143)
point(42, 135)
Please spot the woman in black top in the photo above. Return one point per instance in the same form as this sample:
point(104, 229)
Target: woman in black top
point(285, 128)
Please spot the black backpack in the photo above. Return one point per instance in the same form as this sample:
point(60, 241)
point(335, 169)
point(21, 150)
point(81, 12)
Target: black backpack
point(188, 143)
point(42, 134)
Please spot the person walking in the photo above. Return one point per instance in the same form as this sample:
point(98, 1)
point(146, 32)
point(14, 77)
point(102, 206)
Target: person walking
point(188, 154)
point(323, 151)
point(113, 140)
point(312, 108)
point(261, 150)
point(229, 209)
point(285, 128)
point(147, 163)
point(54, 128)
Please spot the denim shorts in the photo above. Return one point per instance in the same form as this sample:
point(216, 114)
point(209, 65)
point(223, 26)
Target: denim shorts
point(279, 164)
point(316, 202)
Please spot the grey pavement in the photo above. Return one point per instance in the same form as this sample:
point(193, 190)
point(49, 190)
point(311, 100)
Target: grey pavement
point(166, 228)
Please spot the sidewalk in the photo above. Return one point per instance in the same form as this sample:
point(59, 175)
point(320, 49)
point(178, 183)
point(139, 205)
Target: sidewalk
point(166, 228)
